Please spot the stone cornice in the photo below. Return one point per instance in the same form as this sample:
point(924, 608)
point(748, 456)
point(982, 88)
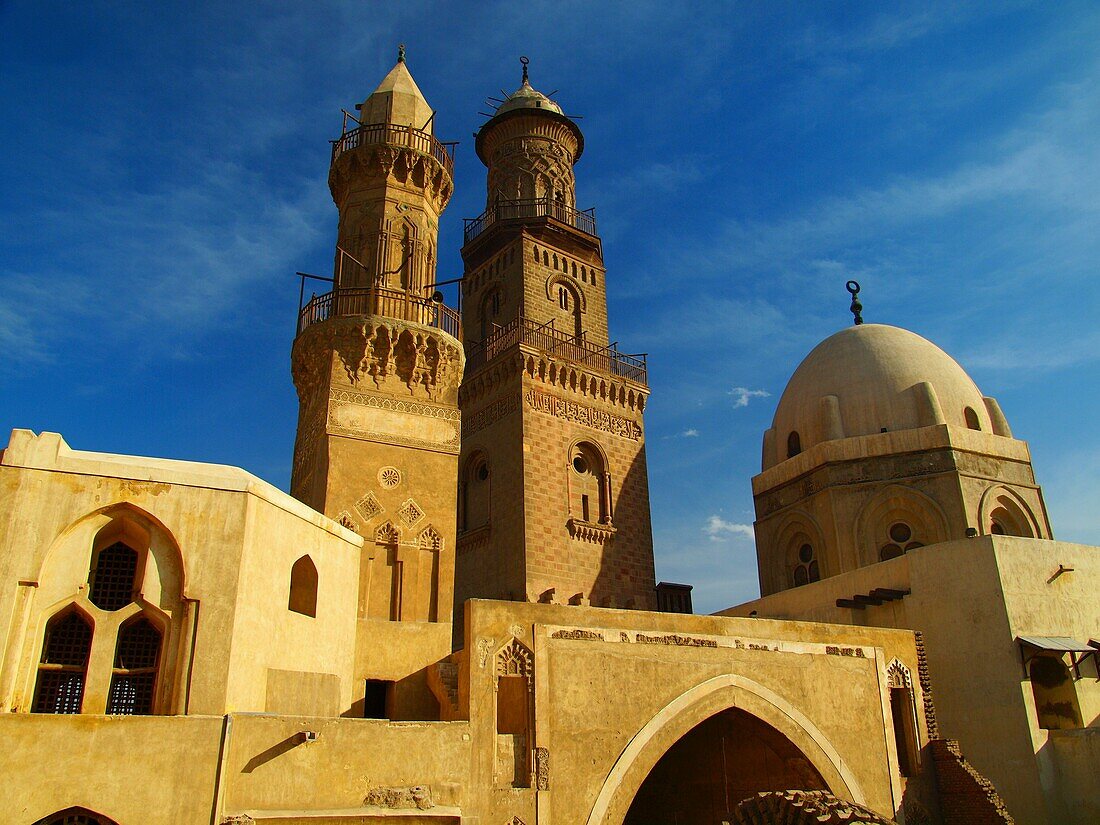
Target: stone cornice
point(897, 443)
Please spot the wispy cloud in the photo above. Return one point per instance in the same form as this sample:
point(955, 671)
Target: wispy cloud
point(720, 530)
point(690, 433)
point(742, 395)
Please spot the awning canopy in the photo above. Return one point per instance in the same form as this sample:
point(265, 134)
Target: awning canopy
point(1059, 644)
point(1032, 646)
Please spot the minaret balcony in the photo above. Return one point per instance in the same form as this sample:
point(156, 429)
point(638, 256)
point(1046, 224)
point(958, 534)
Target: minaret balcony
point(399, 304)
point(389, 134)
point(559, 344)
point(527, 209)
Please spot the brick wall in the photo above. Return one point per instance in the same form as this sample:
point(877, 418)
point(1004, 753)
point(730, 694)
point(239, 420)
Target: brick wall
point(966, 797)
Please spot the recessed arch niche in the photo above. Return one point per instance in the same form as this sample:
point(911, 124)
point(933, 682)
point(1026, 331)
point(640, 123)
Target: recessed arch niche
point(879, 527)
point(708, 699)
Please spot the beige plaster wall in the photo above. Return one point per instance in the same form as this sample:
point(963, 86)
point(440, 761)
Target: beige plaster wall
point(1068, 763)
point(269, 637)
point(607, 708)
point(971, 599)
point(118, 766)
point(269, 768)
point(222, 543)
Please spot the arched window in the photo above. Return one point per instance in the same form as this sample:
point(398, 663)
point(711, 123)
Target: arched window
point(75, 816)
point(112, 577)
point(574, 269)
point(563, 297)
point(514, 695)
point(64, 664)
point(473, 504)
point(1056, 701)
point(806, 569)
point(490, 310)
point(303, 587)
point(794, 444)
point(535, 253)
point(545, 258)
point(133, 681)
point(901, 541)
point(589, 485)
point(971, 419)
point(592, 277)
point(1007, 518)
point(903, 709)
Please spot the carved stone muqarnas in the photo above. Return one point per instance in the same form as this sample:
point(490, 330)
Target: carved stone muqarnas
point(396, 357)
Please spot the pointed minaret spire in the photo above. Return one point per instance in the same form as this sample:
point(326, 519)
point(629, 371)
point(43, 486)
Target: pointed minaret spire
point(856, 307)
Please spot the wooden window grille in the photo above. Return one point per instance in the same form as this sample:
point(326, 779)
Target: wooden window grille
point(64, 664)
point(135, 672)
point(113, 577)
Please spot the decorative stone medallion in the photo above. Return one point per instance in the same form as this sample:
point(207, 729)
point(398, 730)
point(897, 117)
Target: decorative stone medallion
point(389, 477)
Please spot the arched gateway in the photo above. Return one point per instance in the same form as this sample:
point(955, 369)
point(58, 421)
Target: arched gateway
point(726, 739)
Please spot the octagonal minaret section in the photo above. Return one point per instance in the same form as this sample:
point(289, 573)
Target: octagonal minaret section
point(553, 493)
point(377, 362)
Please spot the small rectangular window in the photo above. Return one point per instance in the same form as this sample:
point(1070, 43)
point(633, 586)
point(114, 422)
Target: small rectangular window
point(584, 508)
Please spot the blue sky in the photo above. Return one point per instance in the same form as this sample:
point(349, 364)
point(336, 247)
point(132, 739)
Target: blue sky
point(164, 175)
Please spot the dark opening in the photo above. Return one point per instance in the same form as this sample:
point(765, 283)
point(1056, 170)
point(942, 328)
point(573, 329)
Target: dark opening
point(971, 419)
point(904, 735)
point(794, 445)
point(723, 760)
point(375, 696)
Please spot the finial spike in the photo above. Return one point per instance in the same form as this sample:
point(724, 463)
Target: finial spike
point(400, 52)
point(524, 61)
point(856, 307)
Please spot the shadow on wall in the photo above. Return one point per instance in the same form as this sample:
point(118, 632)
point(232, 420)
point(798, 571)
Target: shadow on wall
point(626, 577)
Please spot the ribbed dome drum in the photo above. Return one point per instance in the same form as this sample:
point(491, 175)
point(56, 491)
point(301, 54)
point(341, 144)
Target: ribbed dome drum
point(872, 378)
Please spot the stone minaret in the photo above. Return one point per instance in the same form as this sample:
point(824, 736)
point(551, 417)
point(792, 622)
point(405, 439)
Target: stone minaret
point(377, 363)
point(553, 494)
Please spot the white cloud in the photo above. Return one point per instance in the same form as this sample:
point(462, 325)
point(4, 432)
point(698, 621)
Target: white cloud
point(690, 433)
point(742, 395)
point(719, 529)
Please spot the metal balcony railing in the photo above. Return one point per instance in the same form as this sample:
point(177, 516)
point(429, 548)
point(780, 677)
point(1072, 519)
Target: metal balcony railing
point(391, 303)
point(510, 210)
point(401, 304)
point(389, 134)
point(546, 338)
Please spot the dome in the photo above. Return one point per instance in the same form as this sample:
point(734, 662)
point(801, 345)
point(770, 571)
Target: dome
point(526, 100)
point(874, 378)
point(525, 97)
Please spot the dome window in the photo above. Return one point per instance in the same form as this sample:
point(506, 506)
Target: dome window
point(901, 535)
point(807, 569)
point(794, 444)
point(971, 419)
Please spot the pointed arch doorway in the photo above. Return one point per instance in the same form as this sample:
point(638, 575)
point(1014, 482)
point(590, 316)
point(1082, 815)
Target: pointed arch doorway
point(762, 718)
point(724, 759)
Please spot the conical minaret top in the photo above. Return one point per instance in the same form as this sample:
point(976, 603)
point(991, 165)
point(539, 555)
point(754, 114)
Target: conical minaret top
point(390, 178)
point(397, 100)
point(530, 147)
